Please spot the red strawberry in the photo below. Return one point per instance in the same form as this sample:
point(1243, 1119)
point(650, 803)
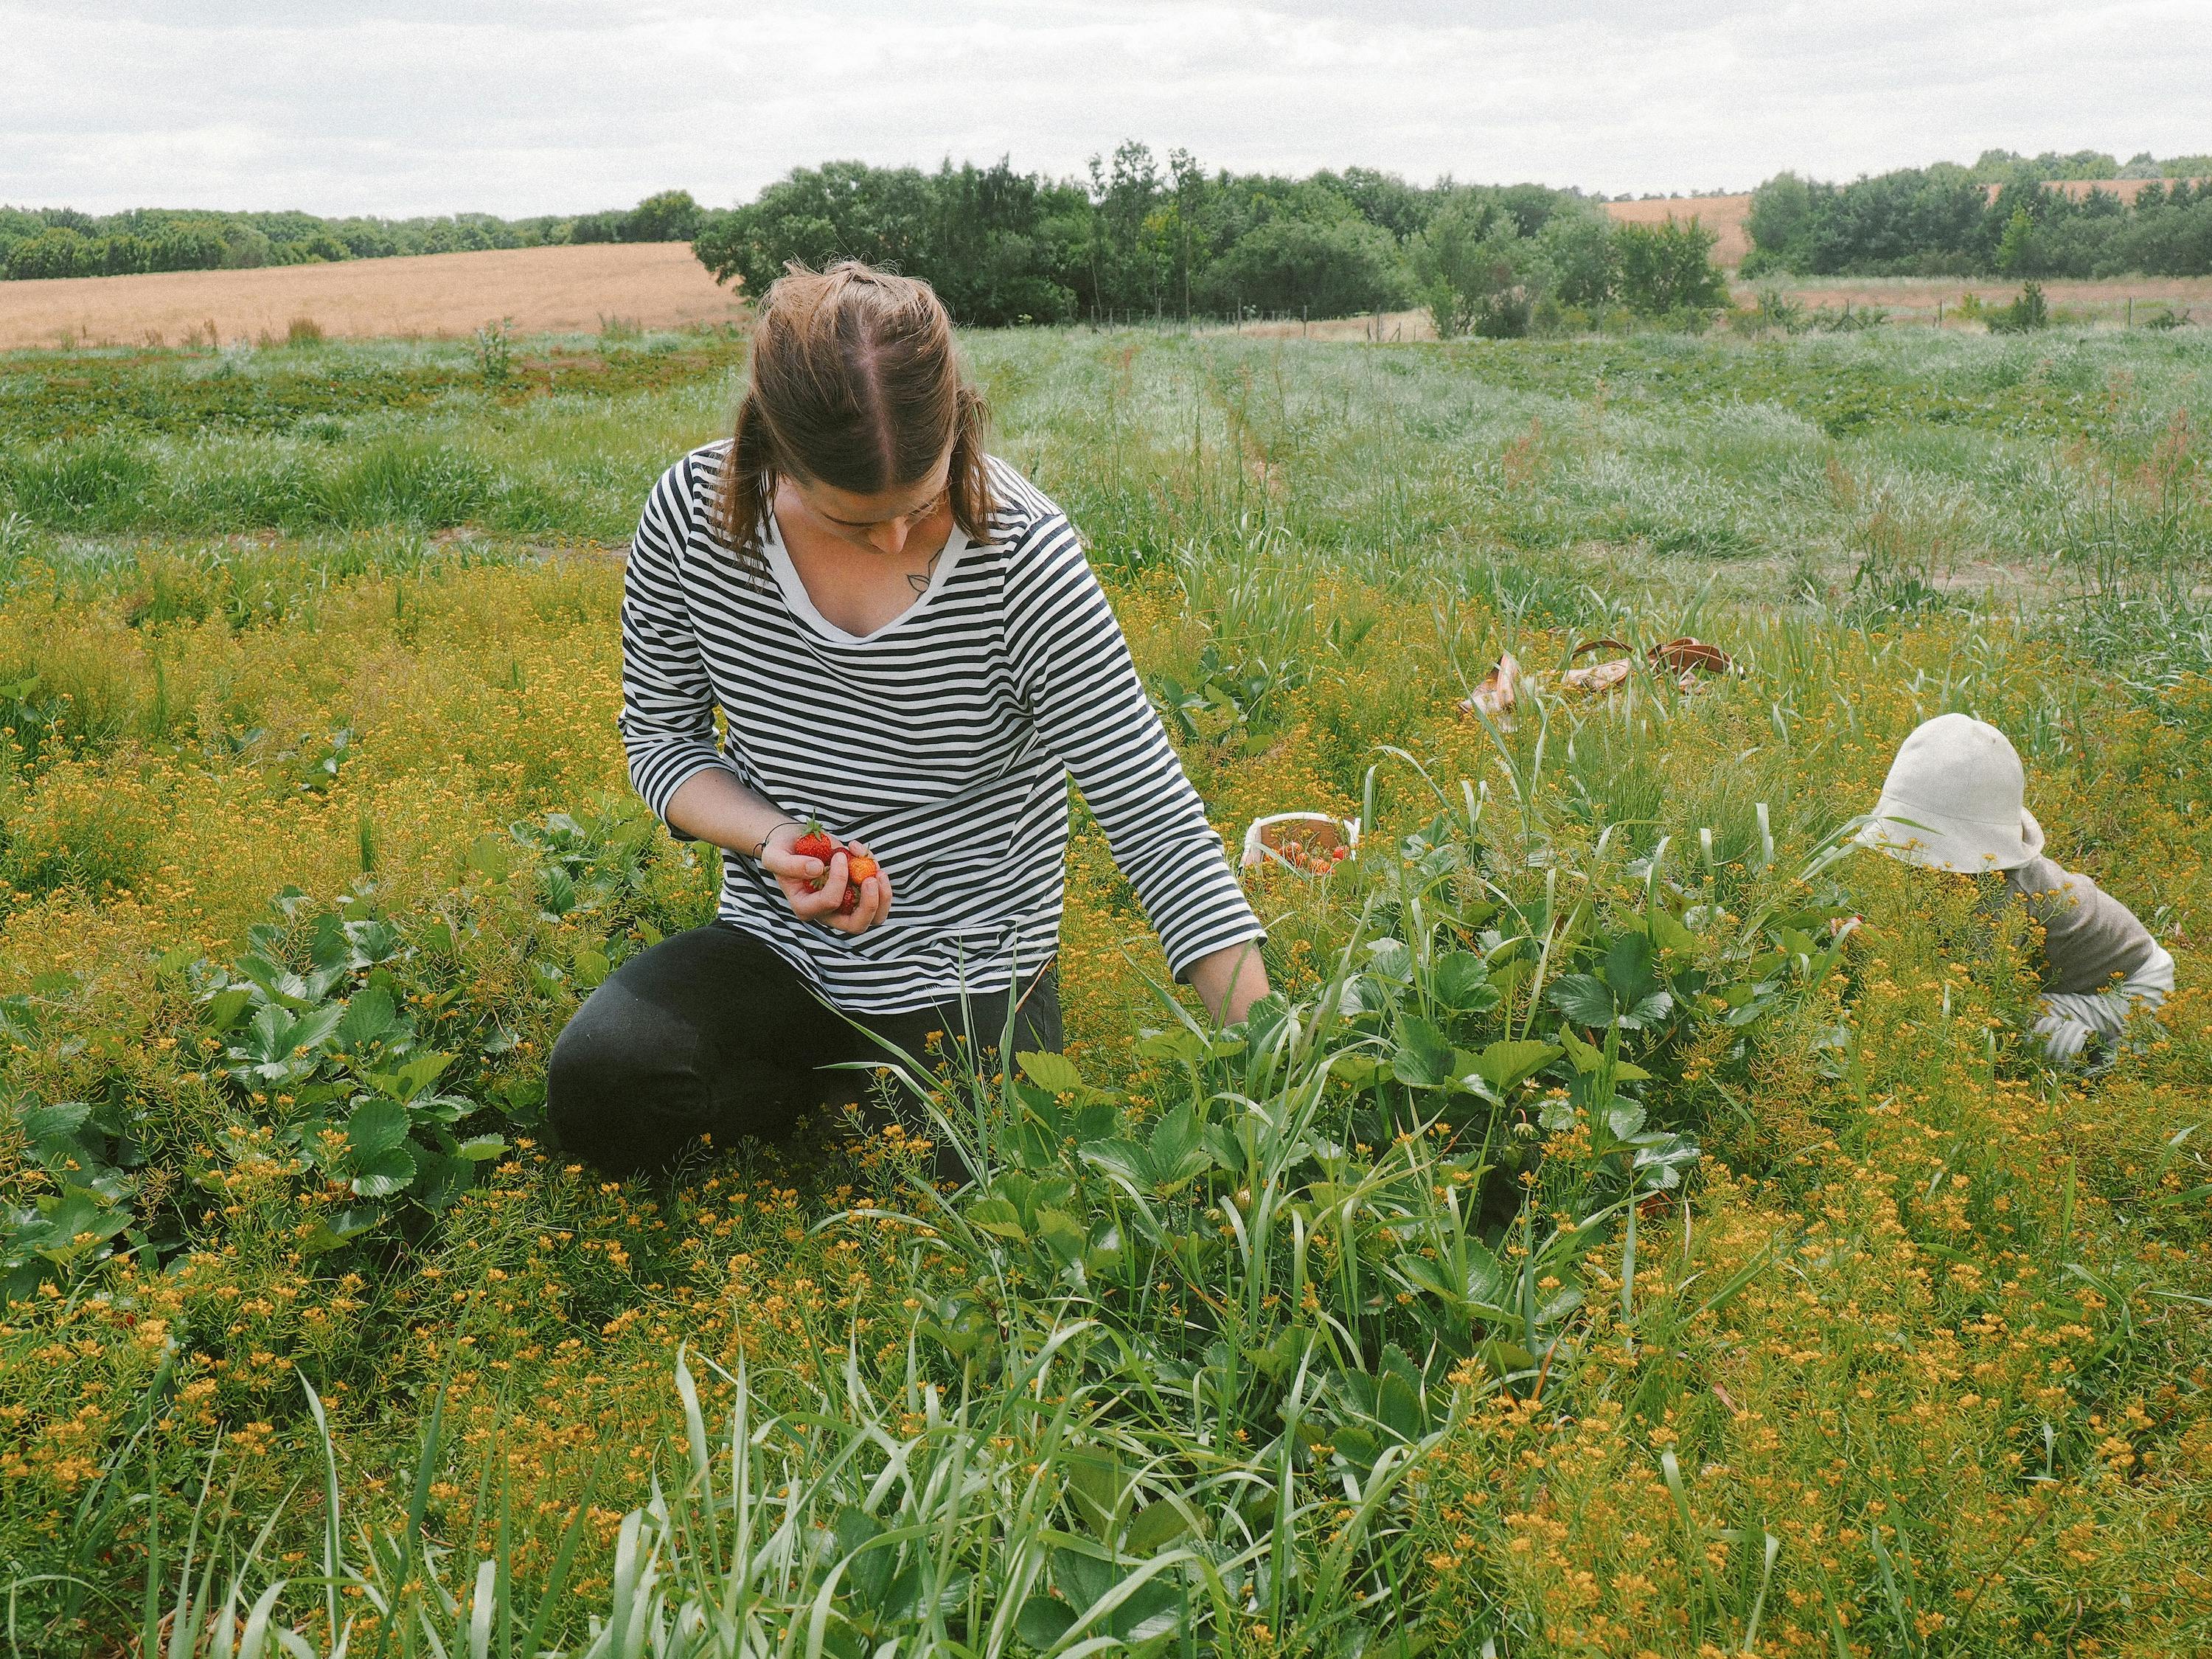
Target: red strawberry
point(857, 868)
point(815, 843)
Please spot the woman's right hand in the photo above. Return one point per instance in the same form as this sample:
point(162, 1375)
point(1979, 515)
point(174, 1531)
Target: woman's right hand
point(796, 877)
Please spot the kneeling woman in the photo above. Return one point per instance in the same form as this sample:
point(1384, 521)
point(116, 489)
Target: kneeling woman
point(907, 645)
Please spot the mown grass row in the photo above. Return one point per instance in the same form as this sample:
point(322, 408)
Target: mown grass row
point(1286, 1341)
point(313, 389)
point(2079, 457)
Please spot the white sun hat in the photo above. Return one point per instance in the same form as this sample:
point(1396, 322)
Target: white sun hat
point(1954, 800)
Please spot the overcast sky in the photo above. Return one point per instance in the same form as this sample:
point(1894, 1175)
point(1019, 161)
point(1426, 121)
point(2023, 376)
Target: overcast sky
point(408, 106)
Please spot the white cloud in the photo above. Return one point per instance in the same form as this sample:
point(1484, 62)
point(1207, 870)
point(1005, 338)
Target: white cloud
point(414, 106)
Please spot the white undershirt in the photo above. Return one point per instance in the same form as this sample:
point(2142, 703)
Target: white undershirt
point(801, 602)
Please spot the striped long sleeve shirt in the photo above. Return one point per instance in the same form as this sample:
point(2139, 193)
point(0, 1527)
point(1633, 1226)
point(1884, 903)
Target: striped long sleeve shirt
point(944, 740)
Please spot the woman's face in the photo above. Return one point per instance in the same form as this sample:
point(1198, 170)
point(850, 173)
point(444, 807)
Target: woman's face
point(881, 522)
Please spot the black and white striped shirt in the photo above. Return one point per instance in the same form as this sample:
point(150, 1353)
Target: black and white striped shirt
point(944, 740)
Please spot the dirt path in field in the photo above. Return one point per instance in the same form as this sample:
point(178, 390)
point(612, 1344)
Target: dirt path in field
point(543, 290)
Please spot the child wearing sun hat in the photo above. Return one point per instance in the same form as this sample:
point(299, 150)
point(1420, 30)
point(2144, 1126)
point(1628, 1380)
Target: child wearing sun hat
point(1954, 800)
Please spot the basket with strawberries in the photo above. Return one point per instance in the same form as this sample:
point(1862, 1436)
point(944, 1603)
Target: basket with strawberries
point(1311, 844)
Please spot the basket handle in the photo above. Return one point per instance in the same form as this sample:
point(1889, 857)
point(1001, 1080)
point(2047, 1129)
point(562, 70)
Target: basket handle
point(1616, 645)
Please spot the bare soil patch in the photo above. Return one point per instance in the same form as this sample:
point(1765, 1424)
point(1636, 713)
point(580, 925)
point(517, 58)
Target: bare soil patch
point(541, 289)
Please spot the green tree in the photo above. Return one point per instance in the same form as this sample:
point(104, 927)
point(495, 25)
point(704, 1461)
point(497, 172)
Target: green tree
point(1476, 273)
point(57, 250)
point(2024, 315)
point(1335, 268)
point(1382, 198)
point(670, 217)
point(589, 227)
point(1191, 188)
point(1000, 245)
point(1131, 245)
point(1578, 252)
point(1667, 268)
point(244, 248)
point(2016, 248)
point(1778, 225)
point(842, 210)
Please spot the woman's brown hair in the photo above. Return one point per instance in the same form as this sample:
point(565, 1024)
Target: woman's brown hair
point(855, 383)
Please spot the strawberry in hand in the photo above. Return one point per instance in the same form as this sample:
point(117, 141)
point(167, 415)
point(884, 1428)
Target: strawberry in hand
point(837, 884)
point(857, 868)
point(815, 842)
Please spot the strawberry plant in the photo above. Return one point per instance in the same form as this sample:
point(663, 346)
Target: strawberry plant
point(88, 1160)
point(323, 1052)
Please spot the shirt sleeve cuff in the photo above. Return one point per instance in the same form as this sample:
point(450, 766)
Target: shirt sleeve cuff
point(668, 784)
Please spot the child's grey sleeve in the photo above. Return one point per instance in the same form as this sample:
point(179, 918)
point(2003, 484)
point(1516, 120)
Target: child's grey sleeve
point(2091, 940)
point(2071, 1020)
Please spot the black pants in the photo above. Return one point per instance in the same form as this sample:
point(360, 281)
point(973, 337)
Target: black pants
point(710, 1033)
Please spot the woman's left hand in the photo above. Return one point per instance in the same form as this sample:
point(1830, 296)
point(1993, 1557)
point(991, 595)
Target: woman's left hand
point(797, 876)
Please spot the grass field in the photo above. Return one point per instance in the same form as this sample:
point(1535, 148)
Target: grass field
point(1600, 1249)
point(654, 285)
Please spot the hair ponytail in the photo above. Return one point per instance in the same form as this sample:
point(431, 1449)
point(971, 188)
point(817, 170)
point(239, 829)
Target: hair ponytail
point(970, 482)
point(853, 381)
point(748, 490)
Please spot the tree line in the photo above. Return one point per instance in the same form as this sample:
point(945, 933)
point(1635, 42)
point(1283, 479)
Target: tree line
point(37, 242)
point(1131, 238)
point(1136, 238)
point(2004, 217)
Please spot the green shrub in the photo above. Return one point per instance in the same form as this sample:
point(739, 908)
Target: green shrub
point(1773, 312)
point(2024, 314)
point(493, 347)
point(1340, 268)
point(1477, 274)
point(670, 217)
point(1667, 268)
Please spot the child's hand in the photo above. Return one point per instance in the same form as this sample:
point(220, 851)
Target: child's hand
point(816, 890)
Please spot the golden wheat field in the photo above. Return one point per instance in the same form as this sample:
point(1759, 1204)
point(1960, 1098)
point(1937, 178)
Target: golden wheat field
point(554, 291)
point(2121, 300)
point(1724, 215)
